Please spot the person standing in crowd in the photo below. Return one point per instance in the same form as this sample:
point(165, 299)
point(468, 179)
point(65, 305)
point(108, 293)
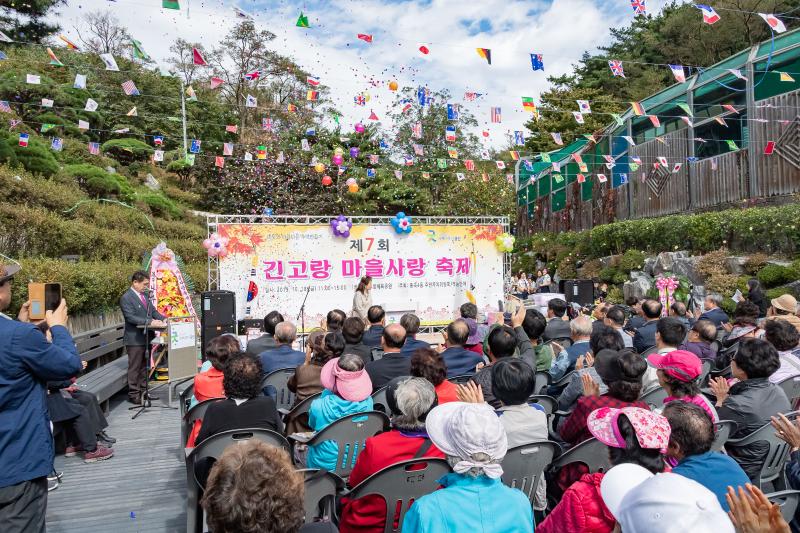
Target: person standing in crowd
point(784, 308)
point(266, 341)
point(27, 362)
point(677, 374)
point(690, 445)
point(473, 498)
point(557, 324)
point(394, 363)
point(427, 363)
point(755, 294)
point(615, 318)
point(282, 355)
point(645, 336)
point(353, 333)
point(699, 339)
point(377, 319)
point(544, 285)
point(523, 286)
point(713, 313)
point(752, 401)
point(636, 320)
point(459, 360)
point(362, 299)
point(410, 400)
point(138, 310)
point(534, 326)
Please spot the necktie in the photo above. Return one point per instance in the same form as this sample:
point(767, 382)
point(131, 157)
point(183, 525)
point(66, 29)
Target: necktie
point(144, 302)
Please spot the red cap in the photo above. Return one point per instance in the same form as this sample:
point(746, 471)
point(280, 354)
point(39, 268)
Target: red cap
point(679, 364)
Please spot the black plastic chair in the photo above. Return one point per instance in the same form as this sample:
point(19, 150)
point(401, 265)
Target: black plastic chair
point(791, 386)
point(774, 459)
point(379, 402)
point(702, 379)
point(321, 488)
point(563, 381)
point(299, 409)
point(524, 465)
point(377, 354)
point(212, 448)
point(592, 453)
point(284, 398)
point(787, 500)
point(400, 485)
point(350, 434)
point(185, 398)
point(460, 380)
point(195, 413)
point(724, 429)
point(548, 403)
point(541, 383)
point(654, 397)
point(649, 351)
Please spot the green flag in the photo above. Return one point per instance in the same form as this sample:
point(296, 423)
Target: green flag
point(618, 119)
point(686, 108)
point(441, 163)
point(732, 145)
point(138, 51)
point(302, 21)
point(545, 158)
point(47, 127)
point(190, 159)
point(170, 4)
point(633, 167)
point(558, 178)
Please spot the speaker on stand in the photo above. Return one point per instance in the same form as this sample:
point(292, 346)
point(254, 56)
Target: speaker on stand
point(217, 316)
point(579, 291)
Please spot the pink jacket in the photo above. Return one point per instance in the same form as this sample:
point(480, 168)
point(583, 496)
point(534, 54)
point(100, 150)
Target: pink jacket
point(581, 509)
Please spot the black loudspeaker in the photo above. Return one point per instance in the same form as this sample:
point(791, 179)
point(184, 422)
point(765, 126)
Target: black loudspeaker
point(579, 291)
point(217, 316)
point(250, 323)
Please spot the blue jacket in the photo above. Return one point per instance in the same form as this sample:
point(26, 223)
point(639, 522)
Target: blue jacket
point(372, 337)
point(412, 345)
point(645, 336)
point(323, 411)
point(480, 505)
point(281, 357)
point(716, 315)
point(565, 361)
point(27, 362)
point(715, 471)
point(460, 361)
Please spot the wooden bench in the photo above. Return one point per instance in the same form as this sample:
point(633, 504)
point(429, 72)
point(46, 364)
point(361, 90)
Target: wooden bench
point(107, 371)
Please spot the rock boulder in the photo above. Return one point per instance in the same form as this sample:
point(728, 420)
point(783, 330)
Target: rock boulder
point(638, 285)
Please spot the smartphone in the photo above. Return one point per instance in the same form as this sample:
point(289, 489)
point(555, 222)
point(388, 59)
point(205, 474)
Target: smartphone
point(43, 297)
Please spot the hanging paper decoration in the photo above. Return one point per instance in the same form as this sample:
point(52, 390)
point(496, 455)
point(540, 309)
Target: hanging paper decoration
point(677, 71)
point(786, 77)
point(528, 104)
point(401, 223)
point(337, 159)
point(496, 115)
point(638, 109)
point(486, 54)
point(709, 15)
point(352, 186)
point(616, 68)
point(170, 4)
point(367, 38)
point(70, 44)
point(319, 168)
point(341, 226)
point(109, 62)
point(769, 149)
point(216, 245)
point(424, 50)
point(197, 58)
point(537, 62)
point(372, 115)
point(638, 7)
point(584, 107)
point(773, 22)
point(138, 51)
point(302, 21)
point(359, 127)
point(53, 59)
point(327, 181)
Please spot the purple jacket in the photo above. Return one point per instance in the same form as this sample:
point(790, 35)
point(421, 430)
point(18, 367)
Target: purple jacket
point(700, 349)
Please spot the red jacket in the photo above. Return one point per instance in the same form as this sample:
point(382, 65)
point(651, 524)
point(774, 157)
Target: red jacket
point(368, 514)
point(208, 385)
point(574, 428)
point(581, 509)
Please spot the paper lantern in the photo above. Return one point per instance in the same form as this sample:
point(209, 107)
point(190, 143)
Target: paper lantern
point(360, 128)
point(337, 159)
point(392, 85)
point(319, 168)
point(354, 151)
point(351, 181)
point(327, 181)
point(353, 187)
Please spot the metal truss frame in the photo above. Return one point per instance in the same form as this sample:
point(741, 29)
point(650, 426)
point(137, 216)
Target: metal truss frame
point(213, 221)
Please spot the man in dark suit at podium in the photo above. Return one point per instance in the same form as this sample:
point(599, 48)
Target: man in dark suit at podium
point(138, 310)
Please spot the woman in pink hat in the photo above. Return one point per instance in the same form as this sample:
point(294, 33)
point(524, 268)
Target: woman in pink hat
point(633, 435)
point(348, 390)
point(677, 373)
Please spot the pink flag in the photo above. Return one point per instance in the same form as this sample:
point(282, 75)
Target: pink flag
point(198, 58)
point(216, 82)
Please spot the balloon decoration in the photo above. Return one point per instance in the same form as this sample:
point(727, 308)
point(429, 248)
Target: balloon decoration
point(216, 245)
point(504, 242)
point(319, 168)
point(360, 128)
point(352, 185)
point(392, 85)
point(341, 226)
point(401, 223)
point(338, 150)
point(354, 151)
point(337, 159)
point(327, 181)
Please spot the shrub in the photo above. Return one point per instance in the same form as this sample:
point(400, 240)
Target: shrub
point(126, 151)
point(615, 295)
point(178, 194)
point(37, 191)
point(159, 204)
point(591, 269)
point(780, 291)
point(775, 275)
point(631, 260)
point(755, 262)
point(98, 182)
point(608, 274)
point(36, 157)
point(7, 154)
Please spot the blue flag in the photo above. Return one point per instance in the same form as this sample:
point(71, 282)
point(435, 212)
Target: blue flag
point(423, 96)
point(370, 172)
point(528, 164)
point(384, 145)
point(452, 111)
point(311, 132)
point(519, 138)
point(623, 179)
point(537, 62)
point(195, 147)
point(3, 56)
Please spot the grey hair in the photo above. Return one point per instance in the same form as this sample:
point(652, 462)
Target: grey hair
point(351, 362)
point(715, 297)
point(285, 333)
point(414, 398)
point(478, 457)
point(581, 326)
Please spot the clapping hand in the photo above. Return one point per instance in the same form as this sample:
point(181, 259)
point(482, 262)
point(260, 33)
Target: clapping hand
point(470, 392)
point(754, 513)
point(519, 317)
point(787, 430)
point(727, 326)
point(590, 387)
point(721, 388)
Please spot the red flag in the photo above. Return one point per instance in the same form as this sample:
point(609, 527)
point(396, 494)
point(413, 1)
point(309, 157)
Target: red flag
point(198, 58)
point(219, 161)
point(216, 82)
point(424, 49)
point(367, 38)
point(769, 148)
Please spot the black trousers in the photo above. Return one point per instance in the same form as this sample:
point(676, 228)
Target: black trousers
point(95, 413)
point(137, 370)
point(80, 429)
point(23, 507)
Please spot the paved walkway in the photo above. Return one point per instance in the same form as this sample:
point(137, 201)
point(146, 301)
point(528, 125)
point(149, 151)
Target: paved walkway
point(142, 488)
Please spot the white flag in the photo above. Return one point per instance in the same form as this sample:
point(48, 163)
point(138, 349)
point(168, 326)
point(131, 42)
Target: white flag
point(158, 155)
point(583, 106)
point(251, 101)
point(663, 161)
point(398, 174)
point(110, 62)
point(578, 117)
point(460, 176)
point(629, 139)
point(485, 155)
point(738, 73)
point(46, 102)
point(304, 145)
point(133, 112)
point(91, 105)
point(83, 125)
point(774, 22)
point(80, 81)
point(5, 38)
point(248, 156)
point(280, 158)
point(33, 79)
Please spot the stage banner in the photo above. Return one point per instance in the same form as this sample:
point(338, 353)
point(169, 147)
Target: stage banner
point(430, 271)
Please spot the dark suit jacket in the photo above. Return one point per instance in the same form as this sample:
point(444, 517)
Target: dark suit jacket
point(645, 336)
point(460, 361)
point(556, 329)
point(222, 415)
point(390, 366)
point(372, 337)
point(412, 345)
point(261, 344)
point(361, 350)
point(717, 316)
point(136, 314)
point(281, 357)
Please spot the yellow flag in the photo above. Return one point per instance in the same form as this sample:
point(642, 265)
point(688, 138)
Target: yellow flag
point(786, 77)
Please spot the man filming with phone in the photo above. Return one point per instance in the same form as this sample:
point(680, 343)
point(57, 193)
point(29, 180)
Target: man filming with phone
point(27, 363)
point(138, 310)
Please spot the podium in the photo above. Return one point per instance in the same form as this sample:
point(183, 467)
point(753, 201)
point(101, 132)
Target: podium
point(181, 345)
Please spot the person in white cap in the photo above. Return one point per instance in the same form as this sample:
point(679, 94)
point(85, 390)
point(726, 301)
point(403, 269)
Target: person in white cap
point(643, 502)
point(473, 498)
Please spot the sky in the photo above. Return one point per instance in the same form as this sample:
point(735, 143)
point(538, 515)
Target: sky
point(561, 30)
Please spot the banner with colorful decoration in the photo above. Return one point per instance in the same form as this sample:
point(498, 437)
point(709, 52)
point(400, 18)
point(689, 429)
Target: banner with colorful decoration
point(172, 297)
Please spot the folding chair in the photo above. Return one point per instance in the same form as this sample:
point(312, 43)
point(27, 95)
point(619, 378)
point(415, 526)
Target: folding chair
point(548, 403)
point(774, 459)
point(400, 485)
point(379, 402)
point(791, 386)
point(284, 398)
point(212, 448)
point(195, 413)
point(542, 381)
point(524, 465)
point(460, 380)
point(654, 397)
point(321, 488)
point(299, 410)
point(592, 453)
point(724, 429)
point(787, 500)
point(702, 379)
point(350, 433)
point(185, 398)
